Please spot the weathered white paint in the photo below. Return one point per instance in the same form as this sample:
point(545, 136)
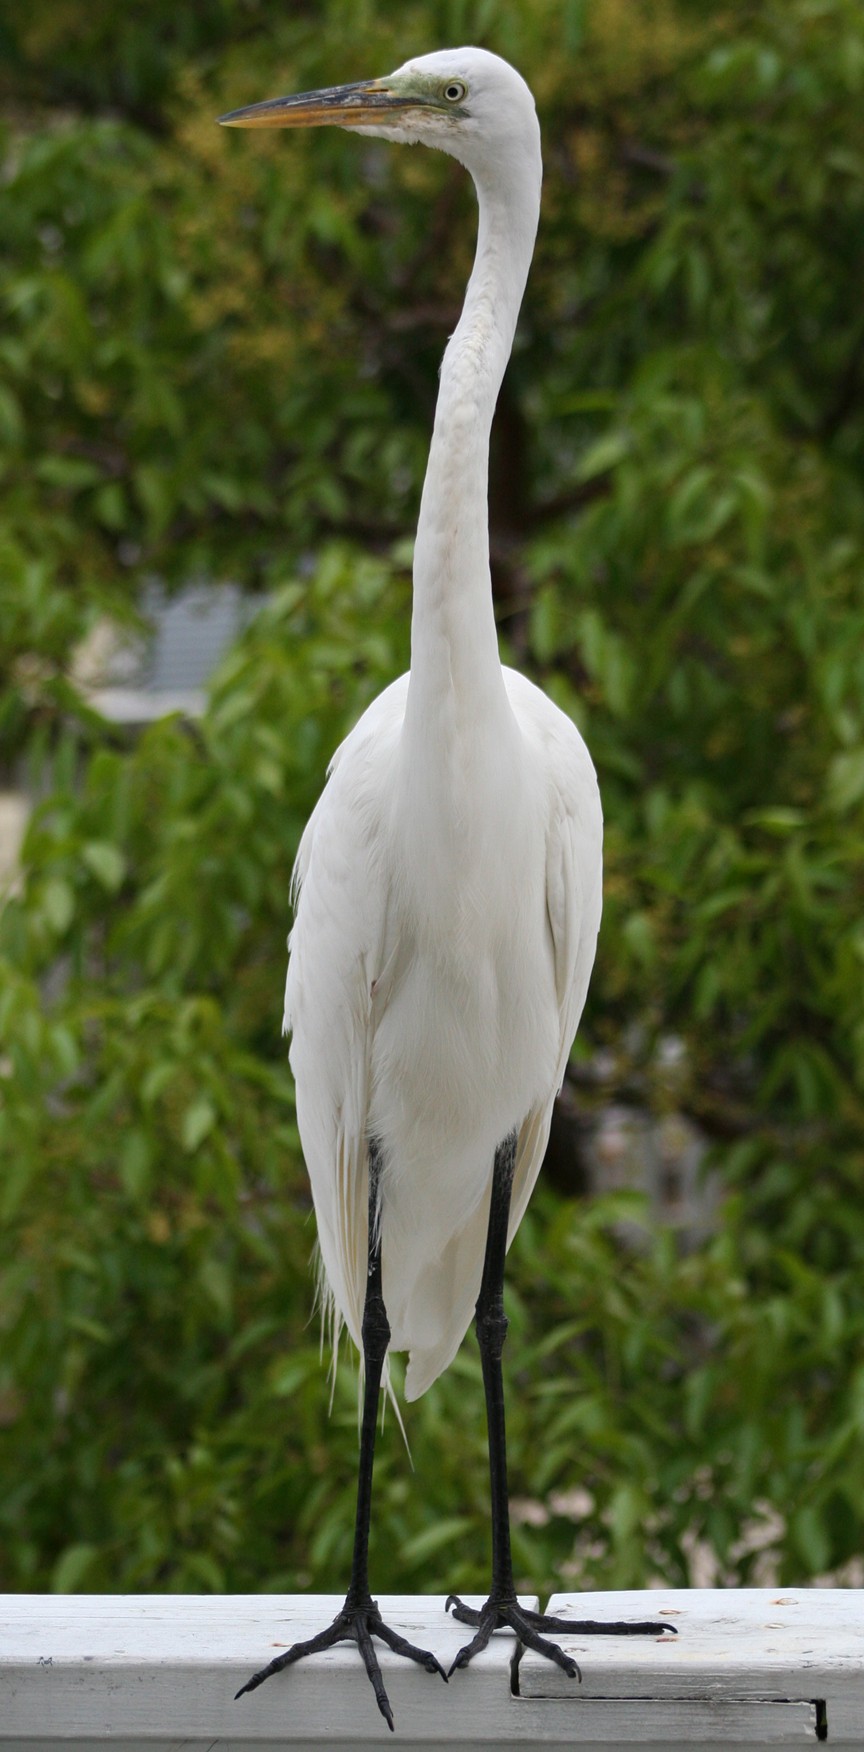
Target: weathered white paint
point(156, 1673)
point(163, 1669)
point(760, 1655)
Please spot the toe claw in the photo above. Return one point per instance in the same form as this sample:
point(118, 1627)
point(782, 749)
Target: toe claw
point(256, 1680)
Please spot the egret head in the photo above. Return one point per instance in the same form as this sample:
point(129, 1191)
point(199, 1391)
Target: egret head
point(467, 102)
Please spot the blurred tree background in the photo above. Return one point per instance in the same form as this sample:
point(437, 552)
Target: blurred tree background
point(218, 362)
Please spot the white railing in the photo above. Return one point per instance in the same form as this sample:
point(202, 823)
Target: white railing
point(750, 1668)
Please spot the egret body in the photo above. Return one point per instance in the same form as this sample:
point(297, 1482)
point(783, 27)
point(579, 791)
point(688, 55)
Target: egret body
point(448, 884)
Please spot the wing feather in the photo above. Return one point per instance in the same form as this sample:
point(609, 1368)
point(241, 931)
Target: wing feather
point(338, 947)
point(574, 901)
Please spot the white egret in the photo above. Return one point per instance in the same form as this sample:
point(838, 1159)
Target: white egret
point(448, 887)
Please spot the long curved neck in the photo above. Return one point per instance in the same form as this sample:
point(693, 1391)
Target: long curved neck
point(454, 646)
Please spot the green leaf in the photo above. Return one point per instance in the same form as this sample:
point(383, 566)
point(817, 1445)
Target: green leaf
point(286, 1377)
point(810, 1538)
point(72, 1568)
point(68, 472)
point(638, 934)
point(434, 1538)
point(604, 454)
point(776, 820)
point(627, 1511)
point(156, 1081)
point(135, 1163)
point(89, 1328)
point(215, 1279)
point(106, 862)
point(58, 904)
point(198, 1120)
point(846, 780)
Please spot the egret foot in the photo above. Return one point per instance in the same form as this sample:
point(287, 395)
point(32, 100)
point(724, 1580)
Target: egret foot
point(504, 1610)
point(358, 1621)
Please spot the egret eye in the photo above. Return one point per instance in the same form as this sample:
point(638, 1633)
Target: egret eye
point(455, 90)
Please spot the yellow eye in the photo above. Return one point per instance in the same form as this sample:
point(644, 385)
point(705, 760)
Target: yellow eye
point(455, 90)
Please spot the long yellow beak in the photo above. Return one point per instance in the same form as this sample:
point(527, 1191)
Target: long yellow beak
point(372, 101)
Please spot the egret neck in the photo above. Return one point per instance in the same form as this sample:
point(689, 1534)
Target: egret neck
point(454, 644)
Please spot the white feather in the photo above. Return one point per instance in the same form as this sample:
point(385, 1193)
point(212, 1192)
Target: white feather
point(436, 1020)
point(449, 879)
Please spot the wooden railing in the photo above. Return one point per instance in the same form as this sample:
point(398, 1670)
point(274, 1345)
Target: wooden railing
point(749, 1668)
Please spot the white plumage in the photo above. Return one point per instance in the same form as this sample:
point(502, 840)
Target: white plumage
point(447, 895)
point(449, 880)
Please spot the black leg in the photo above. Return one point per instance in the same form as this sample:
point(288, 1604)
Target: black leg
point(360, 1619)
point(502, 1607)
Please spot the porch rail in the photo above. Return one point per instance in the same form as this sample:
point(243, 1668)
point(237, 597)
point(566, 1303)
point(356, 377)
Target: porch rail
point(749, 1669)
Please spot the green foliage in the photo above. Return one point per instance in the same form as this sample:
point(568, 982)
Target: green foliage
point(218, 359)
